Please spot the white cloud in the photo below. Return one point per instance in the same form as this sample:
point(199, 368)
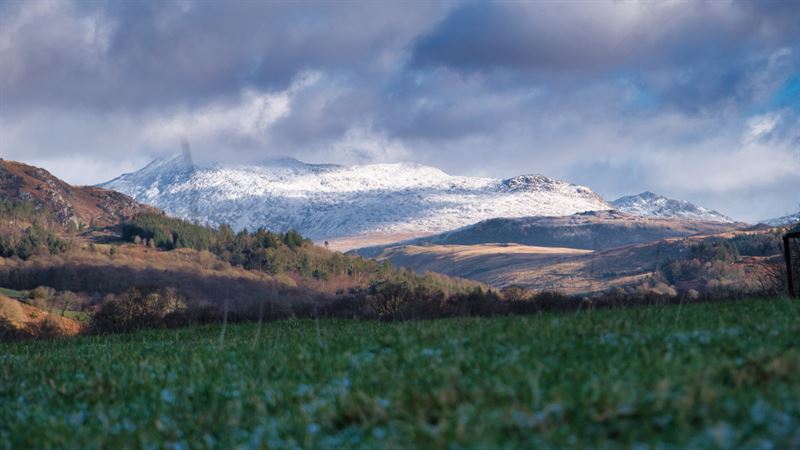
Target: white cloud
point(362, 145)
point(249, 119)
point(766, 153)
point(760, 126)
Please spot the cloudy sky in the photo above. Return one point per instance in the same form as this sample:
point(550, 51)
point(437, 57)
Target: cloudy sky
point(691, 99)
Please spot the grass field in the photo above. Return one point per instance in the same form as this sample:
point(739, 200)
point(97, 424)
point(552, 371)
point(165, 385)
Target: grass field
point(11, 293)
point(700, 376)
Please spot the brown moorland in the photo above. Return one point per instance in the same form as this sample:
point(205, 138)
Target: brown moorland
point(577, 271)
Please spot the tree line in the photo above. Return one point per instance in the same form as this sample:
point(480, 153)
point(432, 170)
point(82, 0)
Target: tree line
point(30, 241)
point(23, 233)
point(261, 250)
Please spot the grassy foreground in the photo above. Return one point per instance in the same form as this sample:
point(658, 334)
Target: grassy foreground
point(701, 376)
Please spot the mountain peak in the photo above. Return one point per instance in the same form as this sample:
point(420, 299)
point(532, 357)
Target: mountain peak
point(530, 181)
point(787, 220)
point(649, 195)
point(541, 183)
point(650, 204)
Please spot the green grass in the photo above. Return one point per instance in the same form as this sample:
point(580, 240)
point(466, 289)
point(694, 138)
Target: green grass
point(701, 376)
point(11, 293)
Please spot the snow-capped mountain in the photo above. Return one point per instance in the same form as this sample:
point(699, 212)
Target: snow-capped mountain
point(332, 201)
point(791, 219)
point(648, 204)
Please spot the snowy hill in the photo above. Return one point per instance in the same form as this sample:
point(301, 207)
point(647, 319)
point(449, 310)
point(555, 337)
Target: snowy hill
point(331, 201)
point(783, 221)
point(648, 204)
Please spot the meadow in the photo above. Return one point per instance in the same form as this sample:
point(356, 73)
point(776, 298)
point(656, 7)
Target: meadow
point(11, 293)
point(723, 375)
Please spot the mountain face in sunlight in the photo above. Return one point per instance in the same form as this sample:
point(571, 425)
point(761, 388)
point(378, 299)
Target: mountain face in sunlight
point(333, 201)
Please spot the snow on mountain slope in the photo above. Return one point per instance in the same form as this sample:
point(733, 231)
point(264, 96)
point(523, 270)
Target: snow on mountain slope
point(648, 204)
point(783, 221)
point(331, 201)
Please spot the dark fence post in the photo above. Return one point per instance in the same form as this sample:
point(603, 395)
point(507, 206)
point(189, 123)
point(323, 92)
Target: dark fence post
point(787, 254)
point(788, 257)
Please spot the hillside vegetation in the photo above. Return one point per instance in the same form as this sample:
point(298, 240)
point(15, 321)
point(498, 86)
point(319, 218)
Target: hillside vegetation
point(261, 250)
point(20, 320)
point(221, 275)
point(218, 275)
point(24, 231)
point(736, 262)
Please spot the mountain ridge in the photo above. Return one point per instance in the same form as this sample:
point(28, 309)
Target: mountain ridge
point(592, 230)
point(362, 205)
point(326, 201)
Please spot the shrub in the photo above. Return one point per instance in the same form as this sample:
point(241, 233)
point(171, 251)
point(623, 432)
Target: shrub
point(515, 293)
point(11, 310)
point(42, 293)
point(133, 310)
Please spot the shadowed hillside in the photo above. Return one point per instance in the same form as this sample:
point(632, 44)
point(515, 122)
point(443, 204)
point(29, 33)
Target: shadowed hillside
point(594, 230)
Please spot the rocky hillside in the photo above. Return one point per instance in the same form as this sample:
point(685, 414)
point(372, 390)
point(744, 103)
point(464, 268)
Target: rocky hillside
point(66, 206)
point(379, 202)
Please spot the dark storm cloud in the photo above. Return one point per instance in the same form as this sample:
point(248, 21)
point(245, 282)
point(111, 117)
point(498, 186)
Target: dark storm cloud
point(591, 37)
point(687, 54)
point(151, 54)
point(481, 36)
